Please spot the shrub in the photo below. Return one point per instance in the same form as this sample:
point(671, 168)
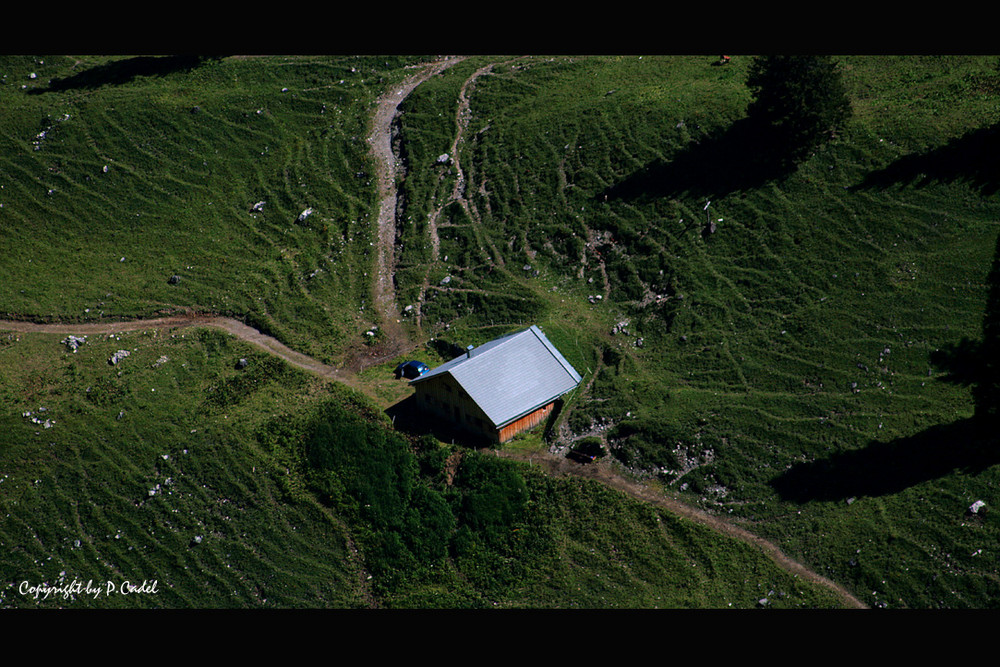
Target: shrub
point(494, 498)
point(648, 443)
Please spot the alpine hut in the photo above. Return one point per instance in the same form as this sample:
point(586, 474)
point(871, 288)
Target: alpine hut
point(500, 388)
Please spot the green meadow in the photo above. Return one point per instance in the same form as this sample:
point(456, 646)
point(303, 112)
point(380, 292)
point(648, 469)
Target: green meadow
point(792, 370)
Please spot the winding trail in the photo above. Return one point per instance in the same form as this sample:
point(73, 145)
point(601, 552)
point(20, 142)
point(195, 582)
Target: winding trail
point(462, 116)
point(383, 289)
point(603, 473)
point(228, 324)
point(380, 141)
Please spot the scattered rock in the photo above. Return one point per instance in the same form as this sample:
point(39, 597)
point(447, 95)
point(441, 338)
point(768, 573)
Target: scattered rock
point(259, 206)
point(446, 280)
point(444, 158)
point(304, 214)
point(162, 360)
point(174, 279)
point(976, 506)
point(73, 342)
point(242, 363)
point(763, 602)
point(118, 356)
point(197, 540)
point(620, 327)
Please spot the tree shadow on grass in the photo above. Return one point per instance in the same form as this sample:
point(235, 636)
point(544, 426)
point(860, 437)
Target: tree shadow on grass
point(970, 445)
point(741, 157)
point(122, 71)
point(973, 157)
point(884, 468)
point(961, 362)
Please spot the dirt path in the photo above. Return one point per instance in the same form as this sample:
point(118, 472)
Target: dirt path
point(380, 141)
point(228, 324)
point(462, 114)
point(602, 472)
point(385, 301)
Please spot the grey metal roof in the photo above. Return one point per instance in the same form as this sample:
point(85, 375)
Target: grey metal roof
point(511, 376)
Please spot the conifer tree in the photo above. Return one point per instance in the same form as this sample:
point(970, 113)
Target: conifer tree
point(799, 102)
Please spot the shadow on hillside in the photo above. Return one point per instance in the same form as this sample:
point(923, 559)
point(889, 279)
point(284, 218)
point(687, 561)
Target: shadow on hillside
point(734, 159)
point(408, 418)
point(884, 468)
point(970, 445)
point(961, 362)
point(122, 71)
point(973, 157)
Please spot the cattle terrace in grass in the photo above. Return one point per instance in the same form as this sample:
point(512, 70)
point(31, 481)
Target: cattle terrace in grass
point(500, 388)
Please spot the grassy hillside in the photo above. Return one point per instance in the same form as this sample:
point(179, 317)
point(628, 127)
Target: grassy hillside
point(118, 173)
point(778, 370)
point(784, 371)
point(261, 486)
point(264, 487)
point(149, 470)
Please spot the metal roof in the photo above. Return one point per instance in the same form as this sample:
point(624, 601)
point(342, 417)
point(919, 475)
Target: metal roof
point(511, 376)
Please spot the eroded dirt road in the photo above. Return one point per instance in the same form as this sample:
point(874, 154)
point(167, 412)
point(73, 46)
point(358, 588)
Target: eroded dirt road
point(380, 141)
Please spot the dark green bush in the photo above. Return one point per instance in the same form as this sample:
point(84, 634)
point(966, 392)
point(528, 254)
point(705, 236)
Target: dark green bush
point(376, 466)
point(494, 496)
point(429, 524)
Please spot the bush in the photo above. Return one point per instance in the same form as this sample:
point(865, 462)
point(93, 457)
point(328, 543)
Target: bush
point(647, 444)
point(429, 524)
point(376, 467)
point(494, 496)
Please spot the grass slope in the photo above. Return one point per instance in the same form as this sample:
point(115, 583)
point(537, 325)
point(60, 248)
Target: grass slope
point(260, 486)
point(120, 173)
point(778, 370)
point(148, 471)
point(263, 487)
